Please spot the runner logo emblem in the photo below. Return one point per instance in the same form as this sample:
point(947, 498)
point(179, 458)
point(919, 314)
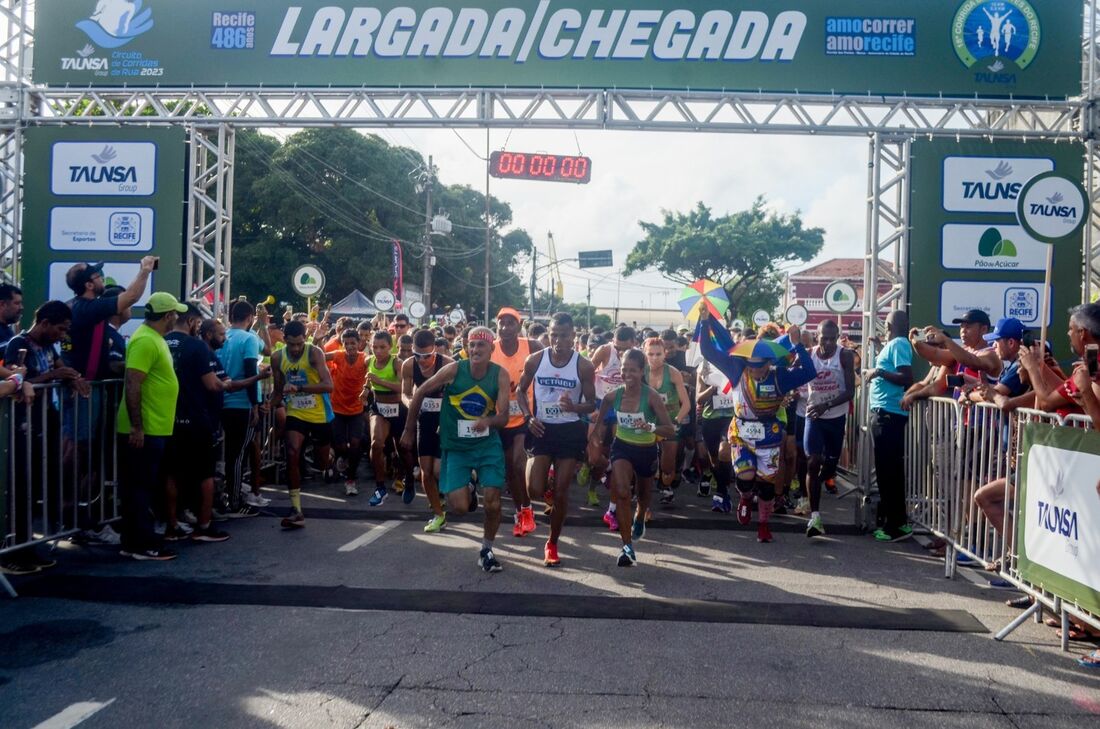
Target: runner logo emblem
point(114, 23)
point(996, 38)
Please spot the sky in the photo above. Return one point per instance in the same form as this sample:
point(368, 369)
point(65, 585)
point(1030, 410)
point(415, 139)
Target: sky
point(636, 175)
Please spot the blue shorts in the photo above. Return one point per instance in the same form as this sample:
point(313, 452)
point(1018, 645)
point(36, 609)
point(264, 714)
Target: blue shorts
point(824, 437)
point(456, 467)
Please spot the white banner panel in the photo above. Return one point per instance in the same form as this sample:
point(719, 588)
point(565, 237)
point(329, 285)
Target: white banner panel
point(102, 229)
point(103, 168)
point(1020, 300)
point(1062, 531)
point(981, 247)
point(988, 184)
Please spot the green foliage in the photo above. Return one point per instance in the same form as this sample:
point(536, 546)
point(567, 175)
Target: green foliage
point(338, 199)
point(743, 251)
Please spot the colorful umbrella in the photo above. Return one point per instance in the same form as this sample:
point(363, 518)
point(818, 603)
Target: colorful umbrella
point(759, 349)
point(703, 292)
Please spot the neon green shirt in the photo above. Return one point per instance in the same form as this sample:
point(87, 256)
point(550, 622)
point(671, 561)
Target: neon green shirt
point(148, 352)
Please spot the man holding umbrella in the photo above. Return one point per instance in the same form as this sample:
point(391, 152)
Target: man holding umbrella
point(759, 379)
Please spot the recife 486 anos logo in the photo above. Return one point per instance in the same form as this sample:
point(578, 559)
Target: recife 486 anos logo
point(996, 39)
point(111, 25)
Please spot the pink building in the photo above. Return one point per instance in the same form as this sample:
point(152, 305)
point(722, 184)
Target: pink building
point(808, 288)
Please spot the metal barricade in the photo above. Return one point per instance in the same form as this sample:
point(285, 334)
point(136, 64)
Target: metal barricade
point(933, 443)
point(61, 471)
point(986, 449)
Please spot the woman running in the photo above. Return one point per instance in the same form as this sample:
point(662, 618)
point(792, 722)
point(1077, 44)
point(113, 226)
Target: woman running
point(640, 417)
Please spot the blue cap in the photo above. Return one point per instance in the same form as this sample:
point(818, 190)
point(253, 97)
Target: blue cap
point(1007, 328)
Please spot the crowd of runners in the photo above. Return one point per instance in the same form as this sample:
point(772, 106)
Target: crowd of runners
point(460, 415)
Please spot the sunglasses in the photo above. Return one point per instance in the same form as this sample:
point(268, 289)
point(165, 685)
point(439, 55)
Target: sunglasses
point(423, 354)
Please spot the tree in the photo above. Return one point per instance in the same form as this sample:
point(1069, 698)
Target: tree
point(743, 251)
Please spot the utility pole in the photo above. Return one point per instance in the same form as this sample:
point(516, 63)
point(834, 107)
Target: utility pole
point(588, 308)
point(429, 252)
point(488, 231)
point(534, 267)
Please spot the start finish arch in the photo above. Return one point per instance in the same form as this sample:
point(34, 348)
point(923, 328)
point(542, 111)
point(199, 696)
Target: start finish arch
point(135, 63)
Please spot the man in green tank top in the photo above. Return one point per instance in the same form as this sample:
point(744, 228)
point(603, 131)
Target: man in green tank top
point(474, 409)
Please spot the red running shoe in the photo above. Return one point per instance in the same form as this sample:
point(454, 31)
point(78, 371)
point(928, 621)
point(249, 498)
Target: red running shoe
point(763, 532)
point(550, 555)
point(611, 521)
point(517, 524)
point(744, 510)
point(527, 520)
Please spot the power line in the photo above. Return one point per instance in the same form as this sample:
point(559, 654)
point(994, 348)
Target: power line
point(467, 145)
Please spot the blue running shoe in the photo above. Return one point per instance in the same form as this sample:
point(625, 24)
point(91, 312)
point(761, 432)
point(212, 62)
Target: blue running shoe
point(627, 557)
point(727, 504)
point(409, 493)
point(637, 529)
point(378, 497)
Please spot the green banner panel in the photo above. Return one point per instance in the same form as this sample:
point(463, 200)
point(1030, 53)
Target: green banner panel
point(1058, 512)
point(957, 48)
point(966, 250)
point(112, 195)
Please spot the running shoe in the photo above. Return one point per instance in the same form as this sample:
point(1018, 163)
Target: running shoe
point(209, 534)
point(408, 493)
point(176, 534)
point(704, 489)
point(727, 504)
point(219, 515)
point(341, 464)
point(716, 503)
point(517, 524)
point(244, 512)
point(12, 566)
point(378, 496)
point(666, 495)
point(350, 489)
point(882, 535)
point(550, 555)
point(744, 510)
point(295, 521)
point(611, 520)
point(527, 520)
point(584, 476)
point(435, 524)
point(763, 532)
point(637, 529)
point(906, 529)
point(399, 485)
point(815, 528)
point(627, 557)
point(149, 555)
point(803, 507)
point(780, 506)
point(593, 496)
point(487, 561)
point(830, 486)
point(189, 517)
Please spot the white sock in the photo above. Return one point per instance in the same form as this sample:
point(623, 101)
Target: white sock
point(815, 515)
point(612, 506)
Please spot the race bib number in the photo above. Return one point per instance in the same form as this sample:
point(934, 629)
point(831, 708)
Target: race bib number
point(750, 429)
point(388, 409)
point(431, 405)
point(513, 409)
point(722, 402)
point(632, 421)
point(303, 402)
point(466, 429)
point(550, 411)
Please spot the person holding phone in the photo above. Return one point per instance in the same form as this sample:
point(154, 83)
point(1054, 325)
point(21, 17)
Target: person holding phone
point(1052, 392)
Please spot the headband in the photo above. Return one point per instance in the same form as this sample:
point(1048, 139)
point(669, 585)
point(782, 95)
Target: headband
point(481, 335)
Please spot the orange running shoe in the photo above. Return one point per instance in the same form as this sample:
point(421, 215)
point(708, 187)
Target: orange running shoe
point(517, 525)
point(550, 555)
point(527, 520)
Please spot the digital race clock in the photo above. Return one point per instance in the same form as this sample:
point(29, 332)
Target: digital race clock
point(537, 166)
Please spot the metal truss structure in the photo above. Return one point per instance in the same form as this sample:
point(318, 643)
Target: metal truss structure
point(210, 244)
point(211, 114)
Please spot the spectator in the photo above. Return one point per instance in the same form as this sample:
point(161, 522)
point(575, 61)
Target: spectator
point(1054, 392)
point(892, 374)
point(116, 349)
point(1007, 338)
point(39, 351)
point(240, 417)
point(975, 359)
point(145, 422)
point(11, 311)
point(88, 342)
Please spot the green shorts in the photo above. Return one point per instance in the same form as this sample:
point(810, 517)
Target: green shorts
point(456, 466)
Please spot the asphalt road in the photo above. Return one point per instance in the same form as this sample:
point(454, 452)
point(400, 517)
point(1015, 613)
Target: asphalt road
point(362, 620)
